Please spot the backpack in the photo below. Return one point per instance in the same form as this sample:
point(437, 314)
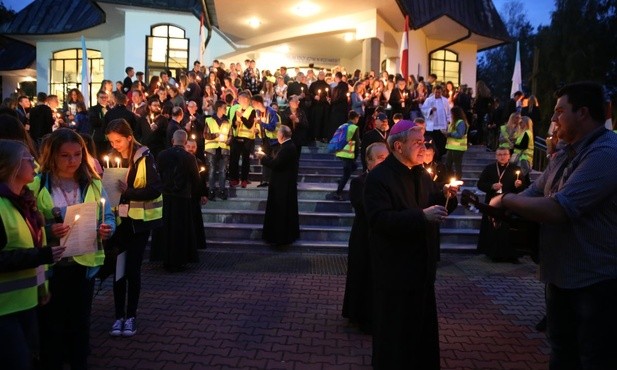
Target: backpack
point(339, 139)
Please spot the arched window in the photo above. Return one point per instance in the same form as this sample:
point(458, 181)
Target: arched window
point(444, 63)
point(168, 49)
point(65, 72)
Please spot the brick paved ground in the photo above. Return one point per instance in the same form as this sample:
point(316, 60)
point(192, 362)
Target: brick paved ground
point(282, 311)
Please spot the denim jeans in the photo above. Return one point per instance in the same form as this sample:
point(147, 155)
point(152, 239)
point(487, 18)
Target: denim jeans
point(217, 164)
point(582, 326)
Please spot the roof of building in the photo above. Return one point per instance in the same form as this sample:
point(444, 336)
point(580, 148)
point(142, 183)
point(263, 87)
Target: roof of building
point(15, 54)
point(478, 16)
point(44, 17)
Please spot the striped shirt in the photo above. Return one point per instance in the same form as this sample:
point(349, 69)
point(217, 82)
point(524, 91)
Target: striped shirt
point(583, 251)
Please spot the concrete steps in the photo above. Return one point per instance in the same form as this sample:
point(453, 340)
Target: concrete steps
point(324, 224)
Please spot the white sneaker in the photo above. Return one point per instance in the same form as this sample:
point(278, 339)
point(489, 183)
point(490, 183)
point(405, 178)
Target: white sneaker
point(130, 327)
point(117, 328)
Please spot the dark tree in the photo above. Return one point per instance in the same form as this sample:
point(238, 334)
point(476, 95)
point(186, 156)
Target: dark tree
point(495, 66)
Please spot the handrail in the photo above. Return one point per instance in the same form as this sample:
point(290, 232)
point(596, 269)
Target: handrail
point(540, 159)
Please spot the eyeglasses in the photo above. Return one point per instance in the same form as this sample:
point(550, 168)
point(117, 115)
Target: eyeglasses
point(29, 159)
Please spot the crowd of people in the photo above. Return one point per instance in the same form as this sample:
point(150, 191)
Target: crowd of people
point(186, 141)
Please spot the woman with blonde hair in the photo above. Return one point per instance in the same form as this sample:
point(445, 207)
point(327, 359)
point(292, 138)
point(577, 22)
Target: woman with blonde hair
point(68, 178)
point(523, 145)
point(24, 254)
point(507, 131)
point(141, 210)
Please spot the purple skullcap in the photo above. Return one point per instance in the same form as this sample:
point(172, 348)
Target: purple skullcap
point(400, 126)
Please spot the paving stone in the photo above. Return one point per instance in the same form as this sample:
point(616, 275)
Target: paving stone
point(234, 311)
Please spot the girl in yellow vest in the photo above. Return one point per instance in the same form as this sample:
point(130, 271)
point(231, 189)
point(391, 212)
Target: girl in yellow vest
point(456, 142)
point(23, 257)
point(507, 131)
point(140, 211)
point(523, 145)
point(68, 178)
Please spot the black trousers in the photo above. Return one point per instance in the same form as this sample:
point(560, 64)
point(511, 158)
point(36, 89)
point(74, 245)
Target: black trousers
point(18, 339)
point(239, 149)
point(130, 285)
point(405, 331)
point(439, 139)
point(65, 320)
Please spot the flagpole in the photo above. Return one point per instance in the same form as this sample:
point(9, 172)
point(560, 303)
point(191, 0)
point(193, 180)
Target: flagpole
point(404, 54)
point(517, 80)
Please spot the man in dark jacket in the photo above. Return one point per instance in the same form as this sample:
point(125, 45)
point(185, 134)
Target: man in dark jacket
point(404, 212)
point(96, 116)
point(120, 111)
point(377, 135)
point(41, 118)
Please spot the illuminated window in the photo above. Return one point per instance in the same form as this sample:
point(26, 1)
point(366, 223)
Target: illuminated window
point(65, 72)
point(168, 49)
point(444, 63)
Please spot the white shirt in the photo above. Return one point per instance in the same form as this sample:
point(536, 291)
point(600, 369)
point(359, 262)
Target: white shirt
point(437, 120)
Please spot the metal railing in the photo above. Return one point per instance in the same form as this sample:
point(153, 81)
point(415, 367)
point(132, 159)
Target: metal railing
point(540, 160)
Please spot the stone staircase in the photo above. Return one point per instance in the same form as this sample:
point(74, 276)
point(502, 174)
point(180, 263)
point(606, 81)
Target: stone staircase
point(324, 224)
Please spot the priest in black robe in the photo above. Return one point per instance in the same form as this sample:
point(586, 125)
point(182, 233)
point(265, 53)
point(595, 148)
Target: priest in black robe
point(358, 299)
point(175, 243)
point(281, 221)
point(499, 178)
point(403, 212)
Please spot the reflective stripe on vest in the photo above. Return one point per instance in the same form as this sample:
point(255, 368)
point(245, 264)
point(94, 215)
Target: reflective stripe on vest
point(350, 148)
point(222, 133)
point(45, 204)
point(23, 283)
point(18, 289)
point(526, 154)
point(149, 210)
point(454, 143)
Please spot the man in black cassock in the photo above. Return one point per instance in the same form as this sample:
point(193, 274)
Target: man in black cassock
point(404, 212)
point(358, 300)
point(281, 221)
point(175, 243)
point(499, 178)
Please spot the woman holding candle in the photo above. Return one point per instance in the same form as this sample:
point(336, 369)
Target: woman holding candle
point(22, 252)
point(67, 178)
point(456, 142)
point(141, 210)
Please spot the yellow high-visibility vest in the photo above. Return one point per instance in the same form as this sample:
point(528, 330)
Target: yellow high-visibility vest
point(350, 148)
point(18, 289)
point(454, 143)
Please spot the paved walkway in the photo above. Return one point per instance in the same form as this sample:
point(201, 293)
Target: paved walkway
point(282, 311)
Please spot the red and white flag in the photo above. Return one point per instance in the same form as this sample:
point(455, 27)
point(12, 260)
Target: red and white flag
point(405, 50)
point(202, 39)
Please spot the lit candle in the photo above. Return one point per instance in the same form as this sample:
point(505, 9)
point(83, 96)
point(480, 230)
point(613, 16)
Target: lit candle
point(117, 162)
point(517, 174)
point(258, 148)
point(261, 92)
point(302, 89)
point(193, 136)
point(70, 229)
point(453, 182)
point(327, 91)
point(106, 159)
point(319, 92)
point(202, 169)
point(102, 210)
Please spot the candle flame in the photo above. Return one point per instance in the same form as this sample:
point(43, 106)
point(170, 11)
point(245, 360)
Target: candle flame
point(103, 201)
point(76, 218)
point(106, 158)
